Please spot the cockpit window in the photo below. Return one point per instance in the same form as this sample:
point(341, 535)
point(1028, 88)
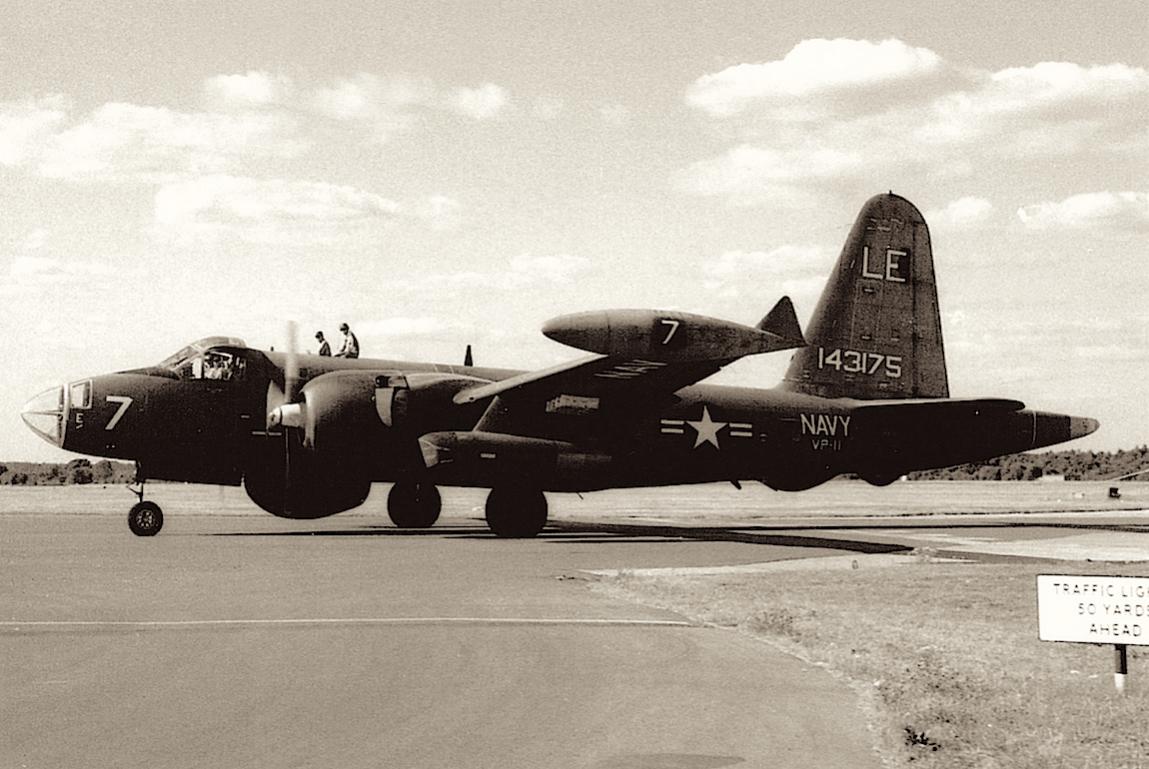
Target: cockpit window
point(80, 394)
point(182, 361)
point(215, 364)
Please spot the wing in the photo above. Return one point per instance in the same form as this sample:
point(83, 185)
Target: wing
point(645, 358)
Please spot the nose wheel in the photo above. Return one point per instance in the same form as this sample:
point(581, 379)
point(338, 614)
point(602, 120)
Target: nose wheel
point(145, 519)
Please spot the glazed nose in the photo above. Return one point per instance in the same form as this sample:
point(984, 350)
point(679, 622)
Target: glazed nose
point(44, 415)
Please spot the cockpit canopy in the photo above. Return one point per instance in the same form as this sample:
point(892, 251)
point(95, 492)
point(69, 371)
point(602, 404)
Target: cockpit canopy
point(208, 358)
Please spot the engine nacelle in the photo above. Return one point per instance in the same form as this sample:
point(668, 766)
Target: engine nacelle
point(663, 336)
point(289, 481)
point(413, 402)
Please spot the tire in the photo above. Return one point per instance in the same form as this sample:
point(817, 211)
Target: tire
point(145, 519)
point(514, 513)
point(414, 505)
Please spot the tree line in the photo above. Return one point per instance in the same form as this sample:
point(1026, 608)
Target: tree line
point(1071, 465)
point(78, 471)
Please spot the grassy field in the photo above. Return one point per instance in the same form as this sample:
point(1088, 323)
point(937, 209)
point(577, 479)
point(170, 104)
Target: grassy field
point(944, 656)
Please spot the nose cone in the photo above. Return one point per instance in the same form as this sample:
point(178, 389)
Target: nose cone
point(44, 415)
point(1079, 427)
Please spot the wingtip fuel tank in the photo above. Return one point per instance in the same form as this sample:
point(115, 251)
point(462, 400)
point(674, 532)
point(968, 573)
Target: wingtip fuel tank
point(674, 336)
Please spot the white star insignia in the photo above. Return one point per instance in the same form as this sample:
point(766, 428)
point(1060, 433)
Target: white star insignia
point(707, 429)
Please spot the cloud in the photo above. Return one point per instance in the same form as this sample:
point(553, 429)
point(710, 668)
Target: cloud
point(247, 118)
point(125, 142)
point(247, 91)
point(1047, 108)
point(521, 272)
point(265, 210)
point(961, 213)
point(892, 108)
point(482, 103)
point(747, 170)
point(441, 212)
point(1098, 210)
point(798, 271)
point(812, 67)
point(26, 125)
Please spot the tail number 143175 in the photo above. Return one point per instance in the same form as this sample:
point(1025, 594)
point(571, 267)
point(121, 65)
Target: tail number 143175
point(858, 362)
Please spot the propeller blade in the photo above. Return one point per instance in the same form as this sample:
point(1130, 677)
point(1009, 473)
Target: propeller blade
point(291, 364)
point(468, 360)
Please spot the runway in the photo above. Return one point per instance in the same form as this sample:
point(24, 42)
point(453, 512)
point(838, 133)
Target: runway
point(237, 639)
point(240, 642)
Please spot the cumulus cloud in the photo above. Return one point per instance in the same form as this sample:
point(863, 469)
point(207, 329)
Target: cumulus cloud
point(249, 90)
point(35, 272)
point(811, 67)
point(746, 169)
point(891, 103)
point(521, 272)
point(482, 103)
point(1109, 210)
point(797, 271)
point(26, 125)
point(120, 142)
point(961, 213)
point(264, 210)
point(247, 118)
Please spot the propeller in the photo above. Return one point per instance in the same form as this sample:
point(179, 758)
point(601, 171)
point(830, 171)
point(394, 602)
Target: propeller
point(468, 360)
point(284, 410)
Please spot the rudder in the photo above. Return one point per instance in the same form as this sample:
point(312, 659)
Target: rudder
point(876, 332)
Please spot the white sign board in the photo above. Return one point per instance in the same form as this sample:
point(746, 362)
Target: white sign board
point(1098, 610)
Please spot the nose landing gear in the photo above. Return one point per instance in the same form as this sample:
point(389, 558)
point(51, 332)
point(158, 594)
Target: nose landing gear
point(145, 519)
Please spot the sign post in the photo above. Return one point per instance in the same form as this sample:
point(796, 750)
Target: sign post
point(1096, 610)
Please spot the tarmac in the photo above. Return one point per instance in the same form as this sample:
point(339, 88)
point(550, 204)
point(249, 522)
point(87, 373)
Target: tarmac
point(237, 639)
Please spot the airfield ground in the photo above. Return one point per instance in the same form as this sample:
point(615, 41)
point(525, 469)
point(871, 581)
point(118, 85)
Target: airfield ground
point(721, 628)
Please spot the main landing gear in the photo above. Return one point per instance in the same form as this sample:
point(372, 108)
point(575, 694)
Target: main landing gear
point(145, 519)
point(414, 505)
point(516, 513)
point(512, 512)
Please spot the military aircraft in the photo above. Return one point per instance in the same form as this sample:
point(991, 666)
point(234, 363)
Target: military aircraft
point(866, 392)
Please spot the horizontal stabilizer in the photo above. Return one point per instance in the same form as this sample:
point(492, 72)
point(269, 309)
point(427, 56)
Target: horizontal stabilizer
point(782, 321)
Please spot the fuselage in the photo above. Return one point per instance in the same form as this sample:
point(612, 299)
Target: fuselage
point(183, 422)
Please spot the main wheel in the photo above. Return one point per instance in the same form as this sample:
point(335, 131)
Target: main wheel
point(516, 513)
point(145, 519)
point(413, 505)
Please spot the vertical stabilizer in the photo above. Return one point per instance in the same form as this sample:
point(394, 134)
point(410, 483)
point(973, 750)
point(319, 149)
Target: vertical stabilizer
point(876, 332)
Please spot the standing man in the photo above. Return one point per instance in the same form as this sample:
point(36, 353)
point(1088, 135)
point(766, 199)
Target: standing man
point(350, 347)
point(324, 348)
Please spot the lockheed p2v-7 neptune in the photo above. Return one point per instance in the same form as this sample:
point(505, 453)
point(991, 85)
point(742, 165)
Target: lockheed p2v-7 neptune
point(866, 392)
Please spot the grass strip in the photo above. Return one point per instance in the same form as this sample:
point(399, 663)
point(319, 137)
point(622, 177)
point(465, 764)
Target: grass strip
point(945, 656)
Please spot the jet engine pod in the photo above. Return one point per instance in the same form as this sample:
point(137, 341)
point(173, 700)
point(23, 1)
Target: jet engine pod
point(662, 336)
point(485, 459)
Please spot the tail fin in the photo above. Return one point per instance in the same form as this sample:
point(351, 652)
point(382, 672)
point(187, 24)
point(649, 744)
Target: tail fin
point(876, 332)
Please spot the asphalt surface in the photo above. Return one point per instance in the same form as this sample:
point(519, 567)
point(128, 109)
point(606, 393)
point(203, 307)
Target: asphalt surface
point(247, 641)
point(236, 639)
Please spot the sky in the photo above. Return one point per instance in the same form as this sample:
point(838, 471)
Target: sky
point(439, 174)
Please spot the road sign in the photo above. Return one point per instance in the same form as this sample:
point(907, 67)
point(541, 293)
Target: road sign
point(1093, 609)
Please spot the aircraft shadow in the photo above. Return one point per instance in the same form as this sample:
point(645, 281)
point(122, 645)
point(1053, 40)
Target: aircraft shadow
point(564, 532)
